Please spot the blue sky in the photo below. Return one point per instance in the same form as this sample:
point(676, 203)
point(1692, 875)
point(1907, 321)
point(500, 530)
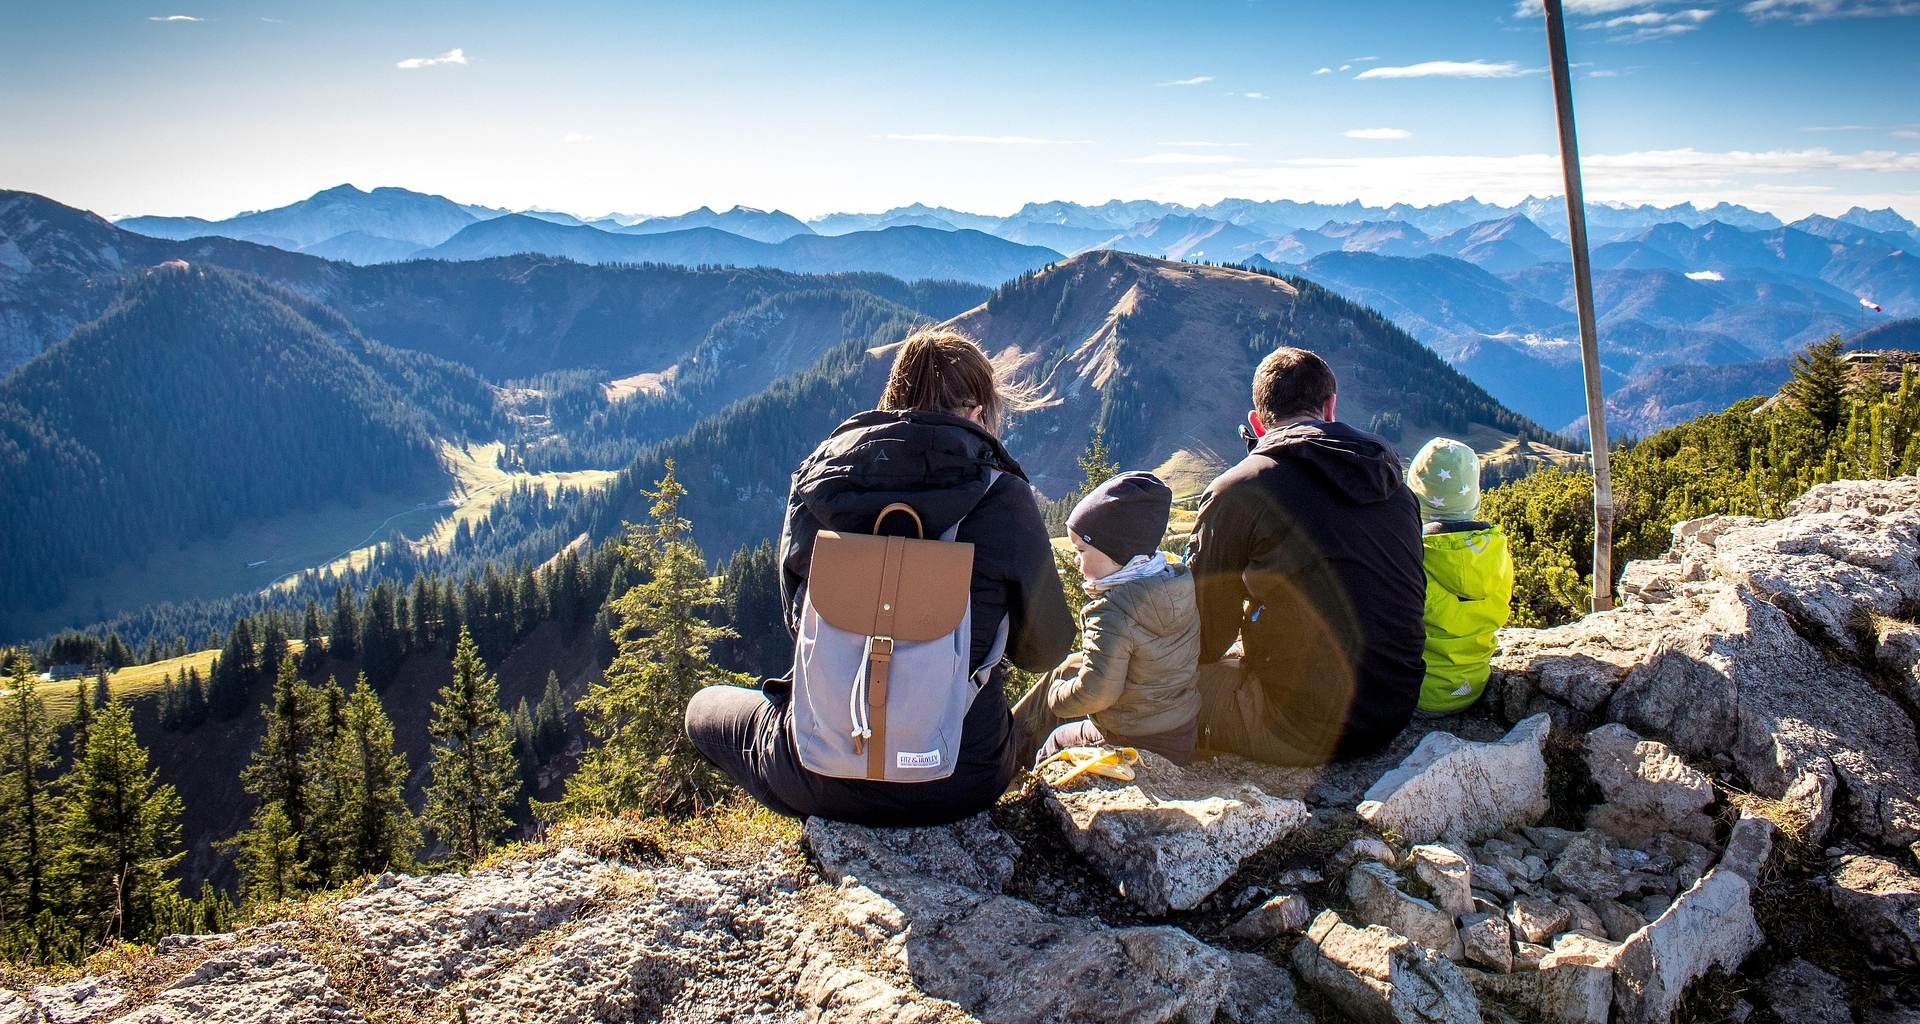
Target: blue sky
point(210, 107)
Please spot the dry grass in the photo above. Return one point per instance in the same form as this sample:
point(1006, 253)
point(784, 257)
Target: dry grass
point(130, 683)
point(736, 834)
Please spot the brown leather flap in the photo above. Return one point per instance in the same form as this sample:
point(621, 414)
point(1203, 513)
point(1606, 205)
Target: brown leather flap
point(852, 579)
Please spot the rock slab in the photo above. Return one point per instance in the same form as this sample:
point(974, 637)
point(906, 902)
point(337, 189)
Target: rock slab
point(1464, 791)
point(1649, 789)
point(1165, 839)
point(1378, 977)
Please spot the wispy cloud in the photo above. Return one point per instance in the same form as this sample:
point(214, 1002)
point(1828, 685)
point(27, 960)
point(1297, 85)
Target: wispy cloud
point(1361, 60)
point(453, 56)
point(1323, 71)
point(1378, 133)
point(1905, 133)
point(1196, 80)
point(1207, 145)
point(1256, 95)
point(576, 137)
point(1817, 10)
point(989, 140)
point(1603, 73)
point(1184, 158)
point(174, 17)
point(1643, 26)
point(1451, 69)
point(1706, 275)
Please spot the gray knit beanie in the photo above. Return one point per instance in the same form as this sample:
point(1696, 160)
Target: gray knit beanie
point(1124, 516)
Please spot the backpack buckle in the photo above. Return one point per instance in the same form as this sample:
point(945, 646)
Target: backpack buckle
point(875, 651)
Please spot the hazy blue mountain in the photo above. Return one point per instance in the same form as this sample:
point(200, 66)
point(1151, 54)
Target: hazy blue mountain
point(1510, 243)
point(394, 213)
point(918, 214)
point(1666, 395)
point(745, 221)
point(1884, 221)
point(553, 217)
point(1180, 237)
point(912, 253)
point(362, 248)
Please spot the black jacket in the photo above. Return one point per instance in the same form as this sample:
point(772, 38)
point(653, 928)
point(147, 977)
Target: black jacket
point(938, 464)
point(1309, 550)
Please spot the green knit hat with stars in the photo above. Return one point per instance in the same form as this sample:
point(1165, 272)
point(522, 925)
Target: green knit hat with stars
point(1445, 476)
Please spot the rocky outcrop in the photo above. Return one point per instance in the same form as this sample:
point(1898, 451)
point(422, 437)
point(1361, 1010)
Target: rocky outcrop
point(1462, 790)
point(1167, 839)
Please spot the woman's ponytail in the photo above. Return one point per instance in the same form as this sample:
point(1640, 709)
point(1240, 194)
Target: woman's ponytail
point(943, 371)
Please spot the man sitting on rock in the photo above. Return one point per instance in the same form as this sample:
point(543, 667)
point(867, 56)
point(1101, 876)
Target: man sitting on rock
point(1308, 553)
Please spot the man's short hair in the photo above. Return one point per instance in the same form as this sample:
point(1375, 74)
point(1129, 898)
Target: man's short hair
point(1291, 382)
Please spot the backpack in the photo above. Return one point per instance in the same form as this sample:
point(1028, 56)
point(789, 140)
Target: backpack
point(881, 675)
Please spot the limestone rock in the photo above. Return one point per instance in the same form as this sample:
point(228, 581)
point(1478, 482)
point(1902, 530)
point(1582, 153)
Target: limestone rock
point(1748, 847)
point(1167, 840)
point(1798, 991)
point(1881, 903)
point(1364, 848)
point(973, 853)
point(1378, 977)
point(1285, 913)
point(263, 984)
point(1448, 874)
point(1710, 924)
point(1465, 791)
point(15, 1009)
point(1648, 788)
point(1569, 993)
point(1377, 899)
point(1581, 918)
point(76, 1002)
point(1581, 949)
point(1618, 920)
point(1527, 955)
point(1487, 940)
point(983, 950)
point(1587, 869)
point(1535, 919)
point(1898, 652)
point(838, 992)
point(1702, 654)
point(1259, 991)
point(430, 932)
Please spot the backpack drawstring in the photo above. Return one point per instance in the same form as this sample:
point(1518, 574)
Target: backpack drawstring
point(857, 709)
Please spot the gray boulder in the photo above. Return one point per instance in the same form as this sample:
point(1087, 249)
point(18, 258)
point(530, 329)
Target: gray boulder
point(1569, 993)
point(1648, 788)
point(1799, 992)
point(1280, 915)
point(264, 984)
point(1377, 899)
point(1461, 790)
point(1706, 653)
point(1448, 874)
point(1166, 840)
point(1259, 991)
point(78, 1001)
point(1487, 940)
point(1710, 925)
point(973, 853)
point(1377, 977)
point(1880, 900)
point(1587, 869)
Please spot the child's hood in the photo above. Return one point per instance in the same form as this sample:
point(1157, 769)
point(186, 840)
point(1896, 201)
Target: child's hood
point(1161, 604)
point(1469, 563)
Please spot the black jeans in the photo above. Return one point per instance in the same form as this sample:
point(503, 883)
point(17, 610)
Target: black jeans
point(748, 735)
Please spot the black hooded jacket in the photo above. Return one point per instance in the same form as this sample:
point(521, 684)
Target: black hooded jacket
point(939, 465)
point(1309, 550)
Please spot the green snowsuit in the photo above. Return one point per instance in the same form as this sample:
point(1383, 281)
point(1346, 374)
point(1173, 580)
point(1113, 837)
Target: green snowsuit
point(1469, 595)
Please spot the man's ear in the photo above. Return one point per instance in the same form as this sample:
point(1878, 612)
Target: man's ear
point(1253, 422)
point(1331, 401)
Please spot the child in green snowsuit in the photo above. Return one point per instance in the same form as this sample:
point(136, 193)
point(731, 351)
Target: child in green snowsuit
point(1469, 576)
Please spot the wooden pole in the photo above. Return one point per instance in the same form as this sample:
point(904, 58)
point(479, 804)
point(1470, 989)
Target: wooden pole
point(1583, 298)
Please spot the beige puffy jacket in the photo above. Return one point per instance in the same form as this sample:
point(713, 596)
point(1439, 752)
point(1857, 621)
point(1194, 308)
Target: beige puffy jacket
point(1139, 659)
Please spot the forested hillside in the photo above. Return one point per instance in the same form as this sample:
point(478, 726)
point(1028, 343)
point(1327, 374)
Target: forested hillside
point(198, 401)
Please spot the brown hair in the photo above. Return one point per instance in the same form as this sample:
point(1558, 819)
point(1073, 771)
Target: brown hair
point(947, 372)
point(1291, 382)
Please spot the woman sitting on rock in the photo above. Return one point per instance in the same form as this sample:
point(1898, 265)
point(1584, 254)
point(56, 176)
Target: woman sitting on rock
point(931, 446)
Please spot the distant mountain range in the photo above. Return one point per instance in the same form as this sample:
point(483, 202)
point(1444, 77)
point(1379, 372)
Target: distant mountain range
point(1487, 286)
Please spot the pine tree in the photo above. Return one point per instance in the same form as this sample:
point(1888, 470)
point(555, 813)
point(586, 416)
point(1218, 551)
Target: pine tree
point(426, 610)
point(120, 834)
point(284, 775)
point(474, 772)
point(373, 830)
point(551, 718)
point(83, 719)
point(102, 691)
point(274, 648)
point(526, 748)
point(27, 844)
point(270, 863)
point(344, 641)
point(662, 641)
point(313, 642)
point(1819, 383)
point(383, 644)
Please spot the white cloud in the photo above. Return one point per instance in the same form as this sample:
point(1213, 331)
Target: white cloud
point(1346, 67)
point(1532, 8)
point(1362, 60)
point(1706, 275)
point(1256, 95)
point(1450, 69)
point(1201, 144)
point(576, 137)
point(1323, 71)
point(1816, 10)
point(174, 17)
point(1792, 182)
point(1648, 25)
point(1197, 80)
point(1603, 73)
point(1183, 158)
point(1378, 133)
point(453, 56)
point(1905, 133)
point(990, 140)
